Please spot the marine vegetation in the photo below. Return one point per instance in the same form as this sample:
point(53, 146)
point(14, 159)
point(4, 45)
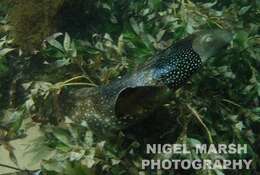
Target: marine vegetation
point(86, 85)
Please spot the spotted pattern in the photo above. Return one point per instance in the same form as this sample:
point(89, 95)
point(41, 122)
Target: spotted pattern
point(172, 67)
point(175, 65)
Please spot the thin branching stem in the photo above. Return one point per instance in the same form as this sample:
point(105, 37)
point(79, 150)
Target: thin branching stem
point(232, 102)
point(74, 78)
point(79, 77)
point(198, 116)
point(11, 167)
point(79, 84)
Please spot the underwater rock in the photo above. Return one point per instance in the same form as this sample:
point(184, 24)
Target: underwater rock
point(130, 99)
point(32, 21)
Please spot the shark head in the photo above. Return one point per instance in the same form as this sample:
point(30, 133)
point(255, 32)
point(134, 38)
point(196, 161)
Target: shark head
point(208, 43)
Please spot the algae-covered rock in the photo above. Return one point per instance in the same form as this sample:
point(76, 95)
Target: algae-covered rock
point(33, 21)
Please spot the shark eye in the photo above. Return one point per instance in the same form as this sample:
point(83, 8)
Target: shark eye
point(207, 39)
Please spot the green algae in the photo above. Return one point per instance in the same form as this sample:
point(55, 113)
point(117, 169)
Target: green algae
point(33, 21)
